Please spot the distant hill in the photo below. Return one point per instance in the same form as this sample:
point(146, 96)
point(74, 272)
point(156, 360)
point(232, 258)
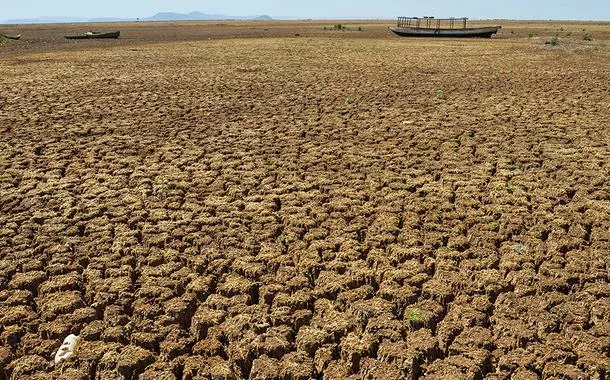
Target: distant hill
point(163, 16)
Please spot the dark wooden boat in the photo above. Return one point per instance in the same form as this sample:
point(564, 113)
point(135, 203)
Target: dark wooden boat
point(436, 27)
point(89, 35)
point(13, 37)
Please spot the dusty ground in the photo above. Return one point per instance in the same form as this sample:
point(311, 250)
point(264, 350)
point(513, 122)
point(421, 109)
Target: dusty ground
point(329, 205)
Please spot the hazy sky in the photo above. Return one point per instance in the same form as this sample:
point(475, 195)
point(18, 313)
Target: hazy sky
point(515, 9)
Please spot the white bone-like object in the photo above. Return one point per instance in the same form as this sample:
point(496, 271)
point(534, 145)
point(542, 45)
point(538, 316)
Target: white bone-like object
point(67, 348)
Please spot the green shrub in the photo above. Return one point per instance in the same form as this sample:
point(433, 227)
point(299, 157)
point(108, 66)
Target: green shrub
point(553, 41)
point(587, 36)
point(338, 27)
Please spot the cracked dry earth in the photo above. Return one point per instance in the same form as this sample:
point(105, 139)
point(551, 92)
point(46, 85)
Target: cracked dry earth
point(306, 208)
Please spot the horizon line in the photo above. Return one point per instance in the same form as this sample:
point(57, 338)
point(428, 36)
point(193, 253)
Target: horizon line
point(114, 19)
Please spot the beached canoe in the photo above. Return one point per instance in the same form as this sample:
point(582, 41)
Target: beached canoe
point(13, 37)
point(90, 35)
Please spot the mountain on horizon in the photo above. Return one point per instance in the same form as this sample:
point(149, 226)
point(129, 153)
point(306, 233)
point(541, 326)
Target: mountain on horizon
point(162, 16)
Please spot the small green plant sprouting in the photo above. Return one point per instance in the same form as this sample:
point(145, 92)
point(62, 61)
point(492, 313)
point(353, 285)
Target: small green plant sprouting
point(440, 94)
point(493, 226)
point(554, 41)
point(530, 36)
point(520, 248)
point(360, 29)
point(350, 100)
point(416, 315)
point(161, 186)
point(587, 36)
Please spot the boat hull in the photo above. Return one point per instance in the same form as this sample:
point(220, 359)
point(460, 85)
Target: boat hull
point(94, 35)
point(485, 32)
point(13, 37)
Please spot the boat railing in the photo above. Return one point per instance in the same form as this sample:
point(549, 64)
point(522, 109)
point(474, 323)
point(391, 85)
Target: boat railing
point(432, 23)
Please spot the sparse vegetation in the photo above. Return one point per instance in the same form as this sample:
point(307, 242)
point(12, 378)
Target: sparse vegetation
point(554, 41)
point(342, 27)
point(520, 248)
point(415, 315)
point(440, 94)
point(161, 186)
point(336, 27)
point(587, 36)
point(350, 100)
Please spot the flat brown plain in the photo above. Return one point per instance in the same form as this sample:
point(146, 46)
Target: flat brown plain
point(229, 200)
